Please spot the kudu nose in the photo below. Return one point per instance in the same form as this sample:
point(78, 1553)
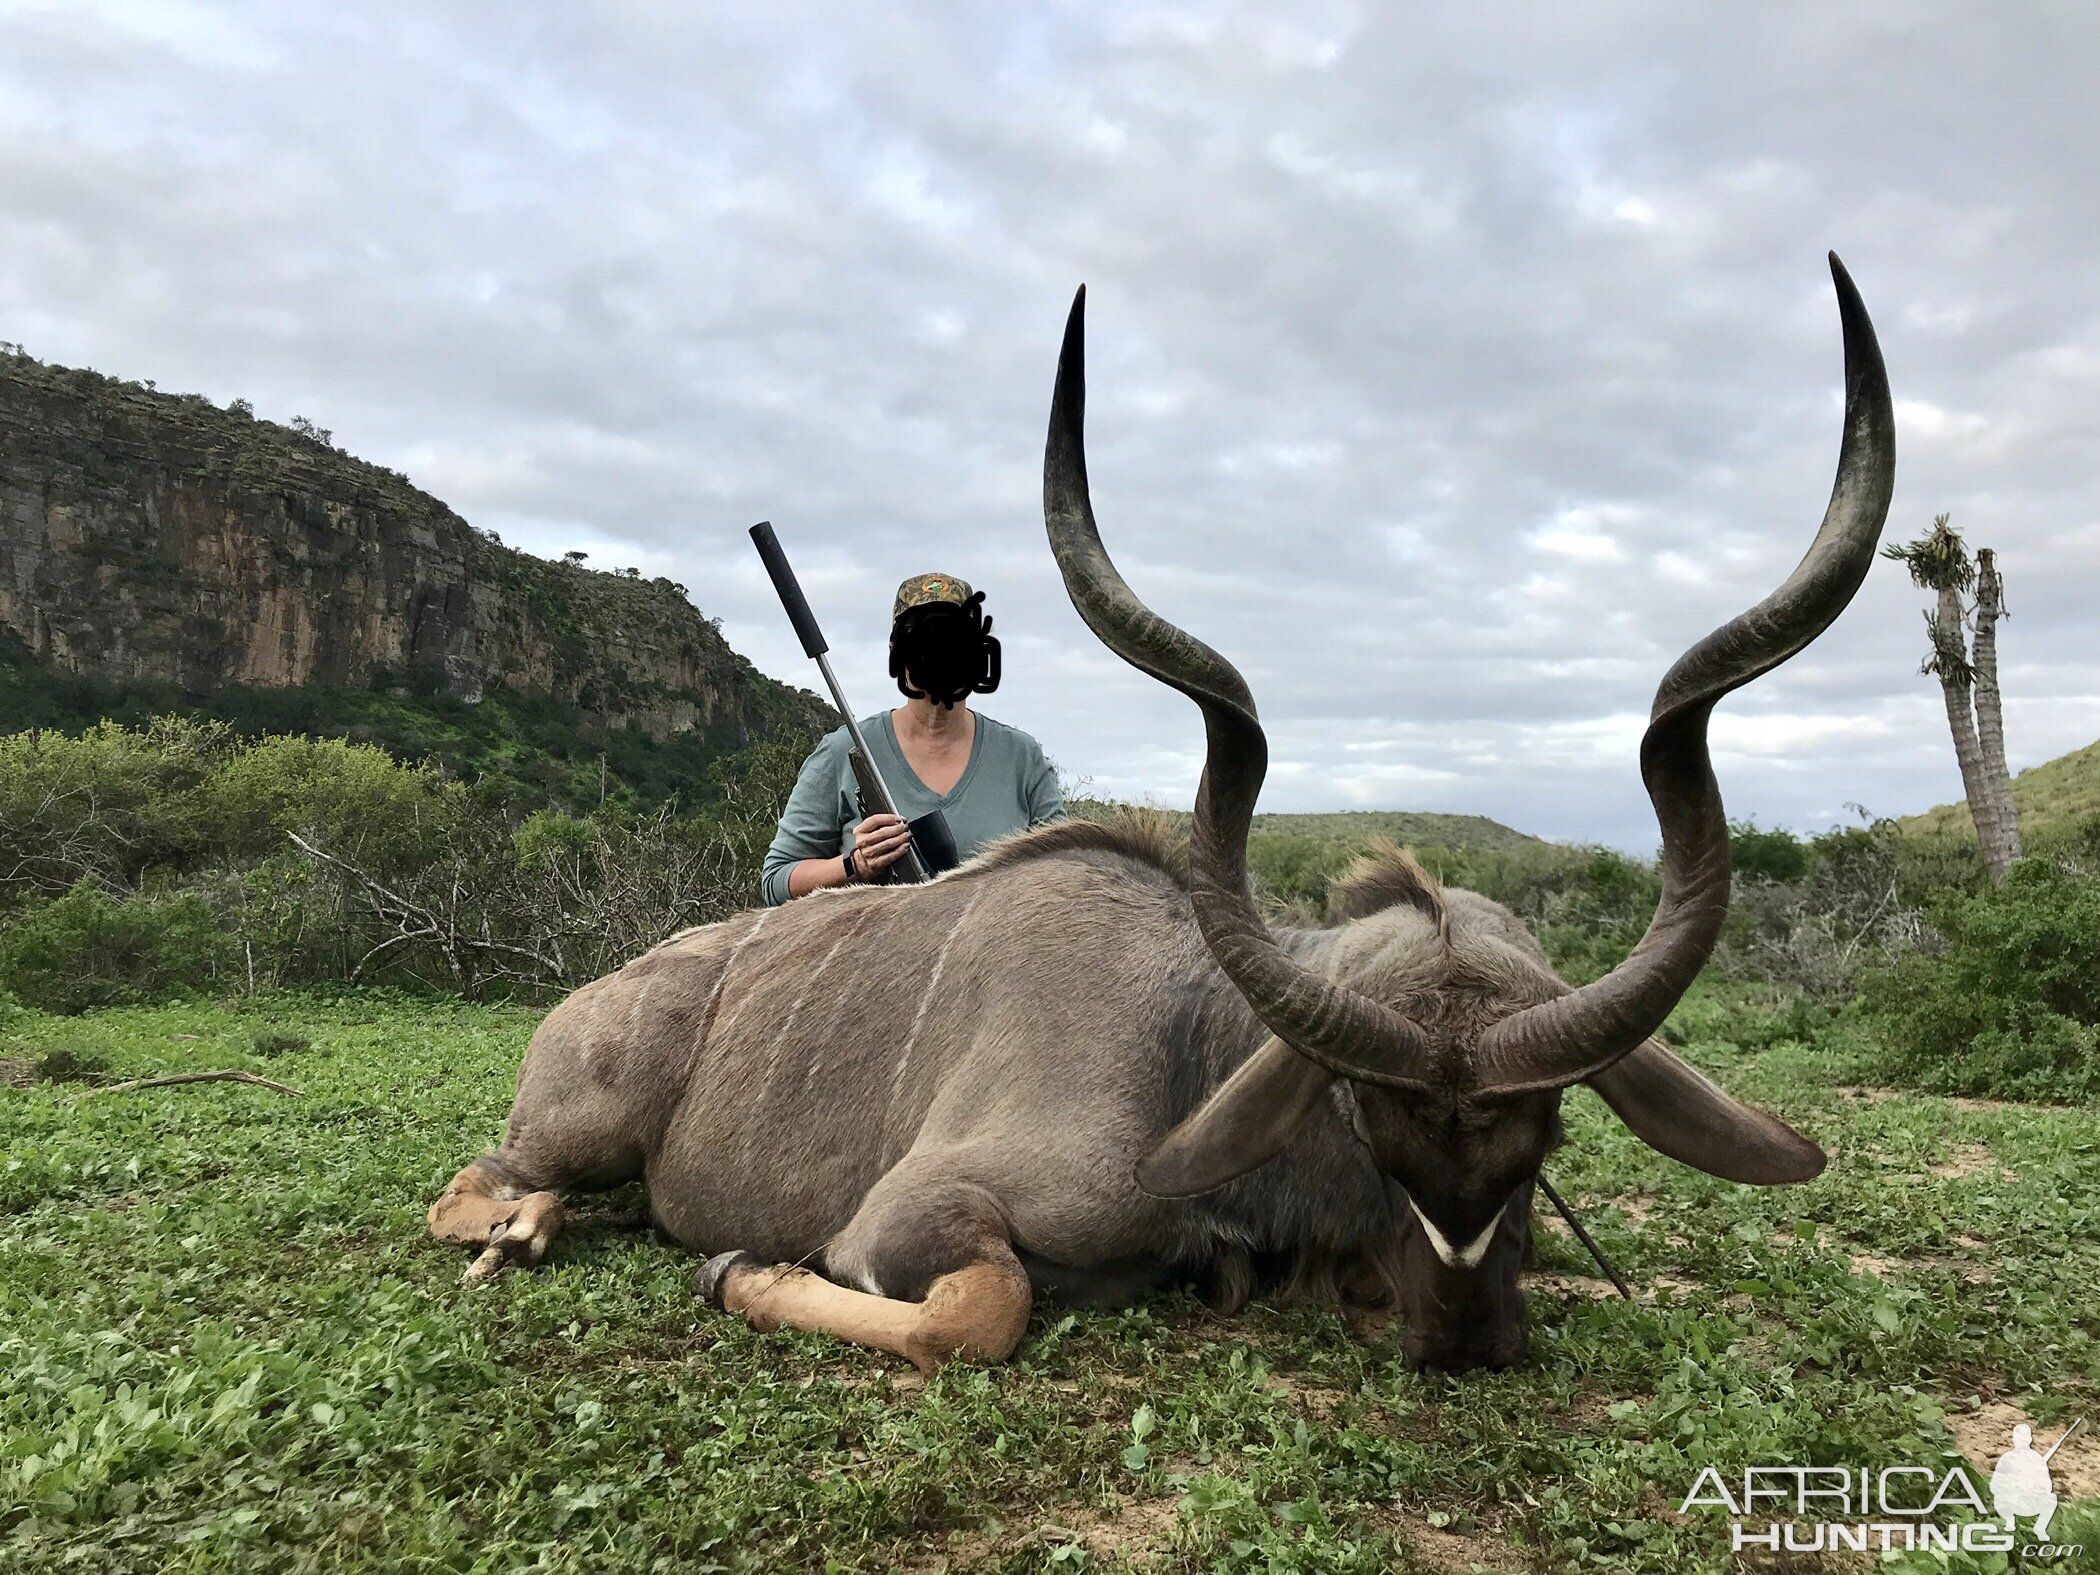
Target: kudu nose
point(1472, 1350)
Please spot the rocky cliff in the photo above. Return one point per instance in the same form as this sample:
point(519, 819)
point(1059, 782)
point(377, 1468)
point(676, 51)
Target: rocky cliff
point(155, 538)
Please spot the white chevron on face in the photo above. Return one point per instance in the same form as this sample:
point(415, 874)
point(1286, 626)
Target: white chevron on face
point(1453, 1257)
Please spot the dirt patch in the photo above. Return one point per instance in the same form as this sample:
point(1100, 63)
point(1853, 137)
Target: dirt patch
point(1130, 1533)
point(1867, 1096)
point(1962, 1102)
point(1369, 1323)
point(1640, 1211)
point(1450, 1553)
point(1585, 1287)
point(961, 1553)
point(1971, 1263)
point(1318, 1401)
point(1886, 1268)
point(1591, 1412)
point(16, 1072)
point(1579, 1286)
point(1138, 1524)
point(1985, 1434)
point(1969, 1159)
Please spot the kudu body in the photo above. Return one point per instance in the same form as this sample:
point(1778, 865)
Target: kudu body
point(1068, 1067)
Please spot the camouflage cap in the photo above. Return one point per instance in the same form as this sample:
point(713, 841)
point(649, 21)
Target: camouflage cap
point(924, 589)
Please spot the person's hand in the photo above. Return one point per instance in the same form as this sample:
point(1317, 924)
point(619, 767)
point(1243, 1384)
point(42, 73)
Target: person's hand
point(878, 842)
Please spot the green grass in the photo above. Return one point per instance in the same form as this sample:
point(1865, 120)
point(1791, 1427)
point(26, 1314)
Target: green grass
point(230, 1346)
point(2051, 795)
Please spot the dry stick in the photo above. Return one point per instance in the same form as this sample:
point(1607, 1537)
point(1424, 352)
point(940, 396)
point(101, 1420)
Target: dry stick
point(785, 1270)
point(198, 1077)
point(1583, 1236)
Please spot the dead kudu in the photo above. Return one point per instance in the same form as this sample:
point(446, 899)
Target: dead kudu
point(1070, 1068)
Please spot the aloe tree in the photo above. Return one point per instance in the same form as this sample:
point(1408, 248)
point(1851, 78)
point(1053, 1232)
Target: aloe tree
point(1968, 673)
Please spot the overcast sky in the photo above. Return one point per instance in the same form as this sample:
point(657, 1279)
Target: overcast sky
point(1452, 368)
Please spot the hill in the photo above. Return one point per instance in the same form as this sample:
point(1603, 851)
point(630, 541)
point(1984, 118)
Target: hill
point(160, 553)
point(1356, 827)
point(2049, 796)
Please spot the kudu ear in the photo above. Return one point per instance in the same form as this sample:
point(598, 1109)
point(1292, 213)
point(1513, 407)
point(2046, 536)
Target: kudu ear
point(1676, 1110)
point(1247, 1122)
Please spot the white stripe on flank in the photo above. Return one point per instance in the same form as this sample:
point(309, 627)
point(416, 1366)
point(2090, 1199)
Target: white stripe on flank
point(933, 980)
point(780, 1041)
point(1454, 1259)
point(707, 1018)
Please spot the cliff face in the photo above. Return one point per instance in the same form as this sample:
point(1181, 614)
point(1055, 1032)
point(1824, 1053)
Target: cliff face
point(155, 537)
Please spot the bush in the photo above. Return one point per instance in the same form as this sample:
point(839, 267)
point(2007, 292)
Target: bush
point(306, 861)
point(2009, 1003)
point(1850, 903)
point(111, 803)
point(1766, 855)
point(1295, 869)
point(90, 948)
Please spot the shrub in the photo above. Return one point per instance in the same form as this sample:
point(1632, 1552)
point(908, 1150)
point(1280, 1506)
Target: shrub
point(2009, 1003)
point(111, 803)
point(1766, 855)
point(1294, 868)
point(90, 948)
point(1586, 905)
point(67, 1065)
point(1850, 904)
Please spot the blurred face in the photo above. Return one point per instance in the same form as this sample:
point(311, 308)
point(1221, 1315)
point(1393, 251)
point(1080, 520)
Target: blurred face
point(1468, 1169)
point(938, 652)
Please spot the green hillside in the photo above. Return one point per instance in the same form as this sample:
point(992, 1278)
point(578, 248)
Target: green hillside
point(1294, 857)
point(1352, 829)
point(1406, 827)
point(2049, 796)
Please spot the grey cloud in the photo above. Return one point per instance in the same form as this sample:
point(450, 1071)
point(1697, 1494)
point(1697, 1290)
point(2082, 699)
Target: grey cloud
point(1451, 370)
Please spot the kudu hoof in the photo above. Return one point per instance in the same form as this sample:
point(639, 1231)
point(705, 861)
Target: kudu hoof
point(713, 1275)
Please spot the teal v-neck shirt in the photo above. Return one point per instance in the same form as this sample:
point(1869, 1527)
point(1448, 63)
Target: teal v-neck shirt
point(1007, 786)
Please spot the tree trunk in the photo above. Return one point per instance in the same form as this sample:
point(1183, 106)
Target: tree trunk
point(1952, 667)
point(1997, 819)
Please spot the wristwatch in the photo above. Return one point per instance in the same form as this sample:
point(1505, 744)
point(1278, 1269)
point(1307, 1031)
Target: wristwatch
point(852, 870)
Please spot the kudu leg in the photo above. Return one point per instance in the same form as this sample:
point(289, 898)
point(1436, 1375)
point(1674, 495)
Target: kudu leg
point(487, 1206)
point(977, 1313)
point(942, 1278)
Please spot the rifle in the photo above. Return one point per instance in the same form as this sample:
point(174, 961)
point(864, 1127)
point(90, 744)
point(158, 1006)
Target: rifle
point(929, 832)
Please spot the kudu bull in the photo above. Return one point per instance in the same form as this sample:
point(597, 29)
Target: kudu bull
point(1067, 1067)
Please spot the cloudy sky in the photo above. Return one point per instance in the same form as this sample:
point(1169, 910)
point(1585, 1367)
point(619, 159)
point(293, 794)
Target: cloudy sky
point(1451, 367)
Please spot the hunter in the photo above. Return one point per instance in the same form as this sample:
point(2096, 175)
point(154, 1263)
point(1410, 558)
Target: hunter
point(985, 778)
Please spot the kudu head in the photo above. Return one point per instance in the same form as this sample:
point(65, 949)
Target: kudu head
point(1458, 1067)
